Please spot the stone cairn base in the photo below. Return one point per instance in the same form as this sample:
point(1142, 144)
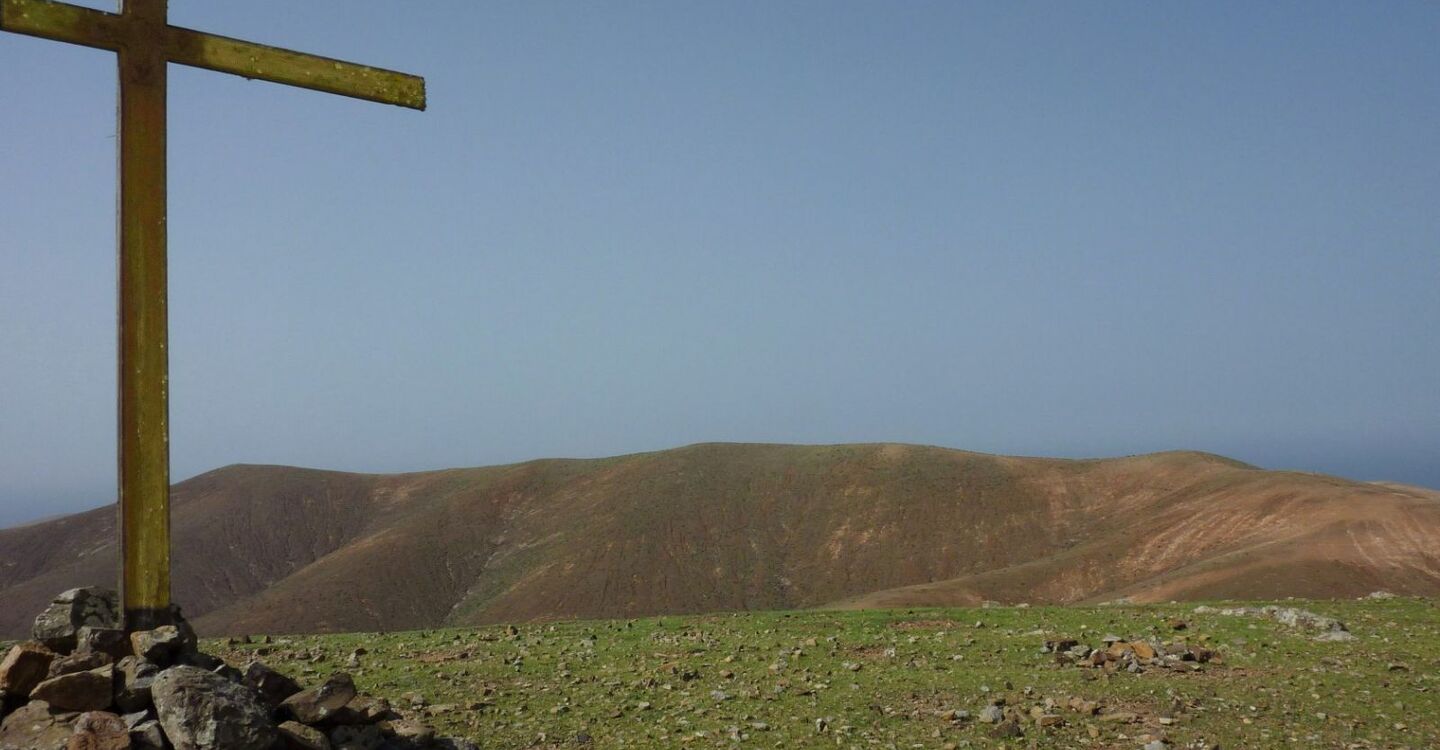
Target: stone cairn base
point(83, 684)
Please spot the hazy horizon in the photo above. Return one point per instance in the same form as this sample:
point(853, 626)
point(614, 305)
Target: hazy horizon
point(1030, 228)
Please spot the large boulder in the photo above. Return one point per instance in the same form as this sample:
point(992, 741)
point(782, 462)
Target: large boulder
point(59, 624)
point(23, 668)
point(37, 726)
point(200, 710)
point(78, 691)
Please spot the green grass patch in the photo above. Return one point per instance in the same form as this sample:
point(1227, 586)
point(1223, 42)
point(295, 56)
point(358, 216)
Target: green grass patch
point(891, 679)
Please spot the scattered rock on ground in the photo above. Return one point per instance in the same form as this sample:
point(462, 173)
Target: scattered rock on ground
point(1326, 628)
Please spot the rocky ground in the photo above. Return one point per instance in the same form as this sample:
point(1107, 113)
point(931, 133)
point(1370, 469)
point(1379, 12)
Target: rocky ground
point(84, 684)
point(1352, 674)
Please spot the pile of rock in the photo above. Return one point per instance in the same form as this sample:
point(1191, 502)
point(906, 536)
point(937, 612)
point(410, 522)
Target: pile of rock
point(1134, 655)
point(1011, 719)
point(84, 684)
point(1325, 628)
point(1018, 716)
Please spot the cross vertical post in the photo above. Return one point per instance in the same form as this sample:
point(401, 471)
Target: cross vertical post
point(145, 44)
point(144, 410)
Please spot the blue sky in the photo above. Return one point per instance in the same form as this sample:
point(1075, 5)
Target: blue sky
point(1052, 229)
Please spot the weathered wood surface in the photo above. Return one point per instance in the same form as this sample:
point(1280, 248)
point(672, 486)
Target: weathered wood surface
point(146, 44)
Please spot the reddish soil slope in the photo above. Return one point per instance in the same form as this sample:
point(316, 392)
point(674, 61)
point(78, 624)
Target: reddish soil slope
point(727, 527)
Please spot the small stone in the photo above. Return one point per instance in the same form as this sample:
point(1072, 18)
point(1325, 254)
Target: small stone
point(1007, 730)
point(297, 736)
point(1156, 745)
point(24, 667)
point(77, 691)
point(200, 710)
point(100, 730)
point(318, 703)
point(412, 732)
point(992, 714)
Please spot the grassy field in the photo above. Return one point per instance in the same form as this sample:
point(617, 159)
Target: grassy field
point(900, 679)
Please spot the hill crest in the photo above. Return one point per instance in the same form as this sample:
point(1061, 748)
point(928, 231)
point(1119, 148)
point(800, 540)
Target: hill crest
point(734, 526)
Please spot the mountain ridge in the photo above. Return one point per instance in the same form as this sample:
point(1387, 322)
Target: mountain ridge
point(729, 526)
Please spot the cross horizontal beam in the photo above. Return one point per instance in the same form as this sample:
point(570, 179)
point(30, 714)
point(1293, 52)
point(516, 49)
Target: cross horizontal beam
point(95, 28)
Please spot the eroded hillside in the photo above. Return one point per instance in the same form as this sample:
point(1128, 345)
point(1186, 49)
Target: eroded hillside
point(743, 527)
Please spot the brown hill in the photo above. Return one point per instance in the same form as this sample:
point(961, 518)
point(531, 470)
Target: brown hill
point(729, 526)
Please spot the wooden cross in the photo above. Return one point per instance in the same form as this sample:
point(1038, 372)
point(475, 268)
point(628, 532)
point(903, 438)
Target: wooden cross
point(145, 42)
